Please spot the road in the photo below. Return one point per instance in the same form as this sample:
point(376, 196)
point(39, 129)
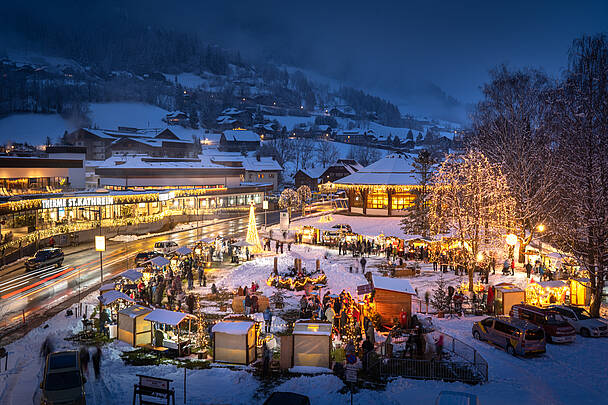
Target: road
point(24, 293)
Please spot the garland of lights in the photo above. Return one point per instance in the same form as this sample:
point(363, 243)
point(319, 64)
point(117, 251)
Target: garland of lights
point(295, 283)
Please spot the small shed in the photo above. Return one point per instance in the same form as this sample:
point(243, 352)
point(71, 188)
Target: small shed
point(580, 291)
point(132, 328)
point(171, 337)
point(392, 295)
point(507, 295)
point(234, 342)
point(312, 344)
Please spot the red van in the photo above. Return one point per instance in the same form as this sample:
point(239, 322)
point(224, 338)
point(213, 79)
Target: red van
point(557, 329)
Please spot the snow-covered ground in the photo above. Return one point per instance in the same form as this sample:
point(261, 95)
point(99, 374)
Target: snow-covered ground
point(137, 115)
point(33, 128)
point(569, 374)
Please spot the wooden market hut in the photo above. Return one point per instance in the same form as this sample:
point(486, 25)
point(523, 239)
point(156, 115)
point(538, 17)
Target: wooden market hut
point(545, 293)
point(132, 328)
point(507, 295)
point(311, 344)
point(160, 318)
point(391, 296)
point(580, 292)
point(234, 342)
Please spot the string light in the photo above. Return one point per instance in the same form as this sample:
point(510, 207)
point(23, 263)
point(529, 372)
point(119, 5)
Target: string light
point(294, 284)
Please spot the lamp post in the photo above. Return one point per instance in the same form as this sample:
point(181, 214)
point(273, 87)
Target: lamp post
point(100, 241)
point(265, 206)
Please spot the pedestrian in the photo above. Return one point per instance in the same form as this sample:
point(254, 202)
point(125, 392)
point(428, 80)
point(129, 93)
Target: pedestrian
point(512, 267)
point(201, 274)
point(281, 247)
point(330, 314)
point(84, 360)
point(204, 280)
point(190, 278)
point(505, 267)
point(247, 302)
point(493, 265)
point(247, 253)
point(363, 262)
point(439, 346)
point(267, 319)
point(190, 303)
point(267, 356)
point(52, 242)
point(528, 269)
point(289, 247)
point(213, 289)
point(276, 247)
point(97, 361)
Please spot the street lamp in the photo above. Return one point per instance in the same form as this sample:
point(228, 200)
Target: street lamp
point(540, 228)
point(265, 206)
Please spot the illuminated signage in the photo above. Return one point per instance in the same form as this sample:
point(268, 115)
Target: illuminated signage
point(77, 202)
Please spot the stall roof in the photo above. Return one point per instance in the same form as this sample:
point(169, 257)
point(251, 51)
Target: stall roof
point(167, 317)
point(183, 251)
point(393, 284)
point(508, 287)
point(135, 310)
point(233, 327)
point(107, 287)
point(312, 328)
point(132, 274)
point(552, 284)
point(159, 261)
point(113, 295)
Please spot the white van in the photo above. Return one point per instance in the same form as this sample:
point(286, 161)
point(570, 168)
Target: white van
point(165, 247)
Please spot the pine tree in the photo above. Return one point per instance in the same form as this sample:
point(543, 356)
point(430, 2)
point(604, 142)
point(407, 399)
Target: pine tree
point(440, 299)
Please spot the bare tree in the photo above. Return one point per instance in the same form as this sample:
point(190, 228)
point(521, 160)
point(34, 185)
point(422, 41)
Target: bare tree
point(302, 152)
point(510, 129)
point(470, 199)
point(326, 152)
point(580, 223)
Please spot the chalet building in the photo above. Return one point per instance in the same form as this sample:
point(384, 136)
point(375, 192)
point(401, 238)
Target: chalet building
point(231, 118)
point(239, 140)
point(357, 136)
point(343, 111)
point(258, 169)
point(309, 177)
point(177, 118)
point(314, 176)
point(100, 144)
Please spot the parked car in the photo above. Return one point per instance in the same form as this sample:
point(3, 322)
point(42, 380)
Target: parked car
point(143, 257)
point(514, 335)
point(280, 398)
point(343, 228)
point(557, 329)
point(582, 321)
point(45, 257)
point(62, 381)
point(165, 247)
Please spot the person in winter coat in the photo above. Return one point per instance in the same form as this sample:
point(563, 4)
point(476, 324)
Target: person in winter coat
point(330, 314)
point(83, 353)
point(363, 263)
point(512, 267)
point(201, 274)
point(96, 357)
point(267, 319)
point(247, 303)
point(528, 269)
point(266, 356)
point(370, 333)
point(190, 278)
point(190, 303)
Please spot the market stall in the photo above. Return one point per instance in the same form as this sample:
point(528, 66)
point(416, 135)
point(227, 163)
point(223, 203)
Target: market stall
point(312, 344)
point(547, 293)
point(132, 328)
point(234, 342)
point(580, 291)
point(132, 274)
point(166, 330)
point(507, 295)
point(392, 297)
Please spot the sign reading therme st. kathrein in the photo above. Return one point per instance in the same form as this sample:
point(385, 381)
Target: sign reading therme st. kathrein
point(77, 202)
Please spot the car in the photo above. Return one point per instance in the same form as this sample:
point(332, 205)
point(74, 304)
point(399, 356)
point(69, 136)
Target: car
point(62, 381)
point(165, 247)
point(582, 321)
point(280, 398)
point(343, 228)
point(45, 257)
point(515, 336)
point(557, 329)
point(143, 257)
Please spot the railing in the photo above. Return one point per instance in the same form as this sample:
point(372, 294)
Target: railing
point(458, 362)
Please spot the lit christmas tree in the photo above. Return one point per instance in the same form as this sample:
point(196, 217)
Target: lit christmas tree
point(252, 232)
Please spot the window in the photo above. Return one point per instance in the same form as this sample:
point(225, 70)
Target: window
point(400, 200)
point(487, 322)
point(377, 200)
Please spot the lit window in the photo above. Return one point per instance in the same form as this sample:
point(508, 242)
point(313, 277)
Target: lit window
point(377, 200)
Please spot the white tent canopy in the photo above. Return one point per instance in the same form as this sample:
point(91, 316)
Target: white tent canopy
point(113, 295)
point(107, 287)
point(393, 284)
point(132, 274)
point(159, 261)
point(183, 251)
point(167, 317)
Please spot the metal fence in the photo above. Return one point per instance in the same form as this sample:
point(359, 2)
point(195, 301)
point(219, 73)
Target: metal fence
point(458, 362)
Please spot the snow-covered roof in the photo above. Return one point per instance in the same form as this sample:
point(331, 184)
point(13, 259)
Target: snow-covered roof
point(233, 327)
point(141, 161)
point(393, 284)
point(167, 317)
point(312, 328)
point(159, 261)
point(135, 310)
point(393, 169)
point(314, 172)
point(252, 164)
point(113, 295)
point(132, 274)
point(183, 251)
point(107, 287)
point(225, 119)
point(231, 111)
point(241, 135)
